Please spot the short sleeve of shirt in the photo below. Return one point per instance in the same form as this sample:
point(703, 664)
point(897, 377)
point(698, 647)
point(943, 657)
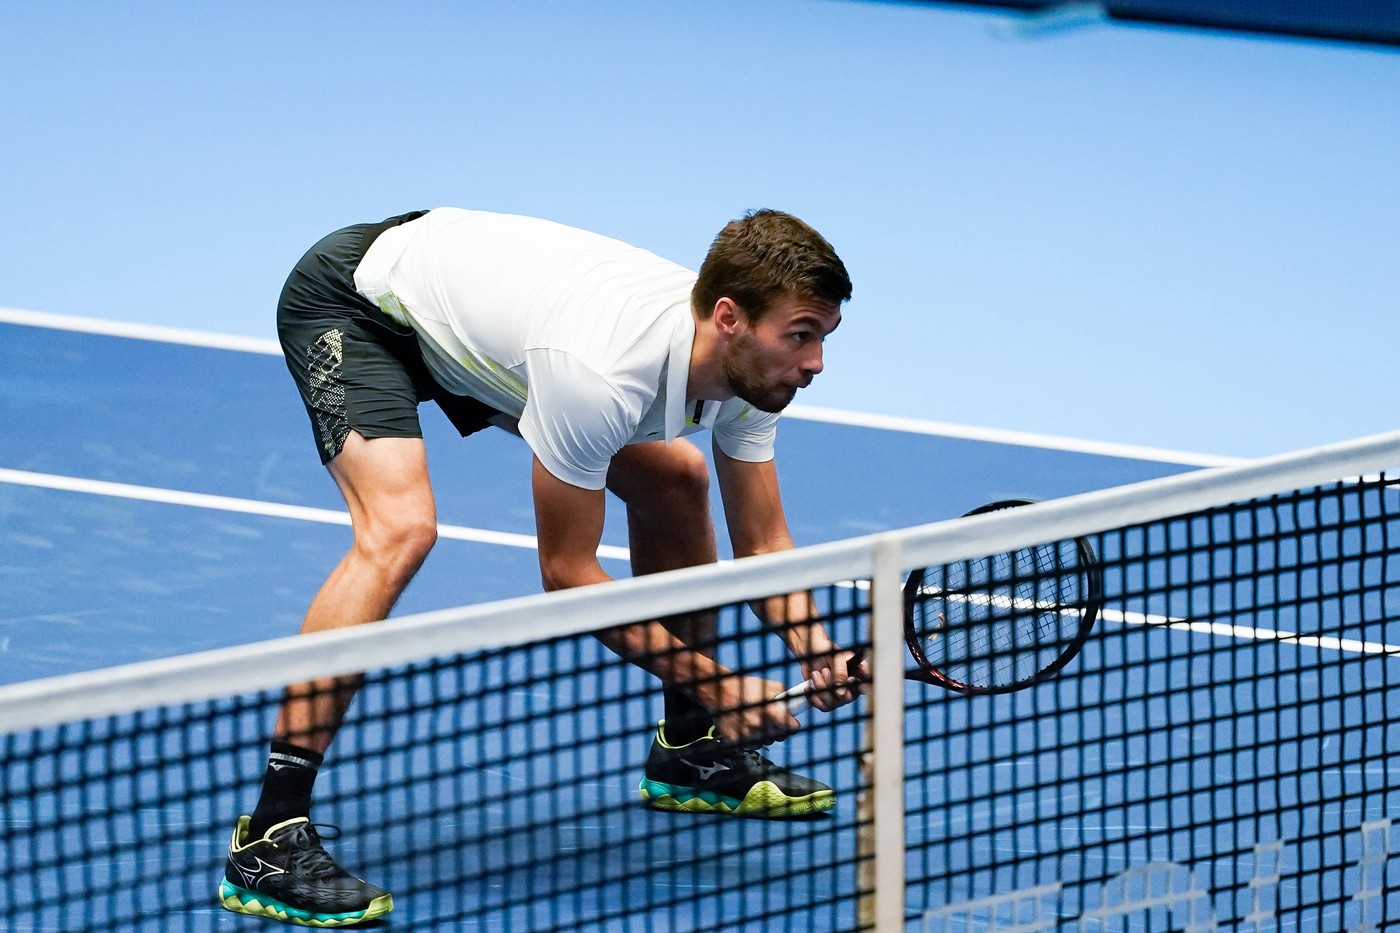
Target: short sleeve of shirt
point(745, 433)
point(575, 420)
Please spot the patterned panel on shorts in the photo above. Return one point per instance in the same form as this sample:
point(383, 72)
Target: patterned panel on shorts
point(327, 390)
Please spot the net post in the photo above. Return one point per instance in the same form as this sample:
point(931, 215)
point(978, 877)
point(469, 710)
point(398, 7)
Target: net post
point(881, 808)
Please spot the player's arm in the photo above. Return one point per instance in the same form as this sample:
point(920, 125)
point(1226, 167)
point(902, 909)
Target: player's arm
point(569, 526)
point(753, 510)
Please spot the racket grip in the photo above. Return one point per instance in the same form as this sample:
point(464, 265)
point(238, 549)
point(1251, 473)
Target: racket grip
point(795, 698)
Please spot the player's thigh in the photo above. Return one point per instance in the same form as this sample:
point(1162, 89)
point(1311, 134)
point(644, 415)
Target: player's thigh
point(385, 484)
point(361, 397)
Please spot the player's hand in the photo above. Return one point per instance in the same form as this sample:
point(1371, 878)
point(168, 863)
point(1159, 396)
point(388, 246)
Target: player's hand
point(833, 679)
point(748, 715)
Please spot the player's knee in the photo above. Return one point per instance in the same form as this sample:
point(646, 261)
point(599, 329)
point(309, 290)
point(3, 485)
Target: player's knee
point(663, 485)
point(398, 543)
point(686, 480)
point(417, 538)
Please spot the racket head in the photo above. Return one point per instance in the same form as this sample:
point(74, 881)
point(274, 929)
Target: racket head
point(1004, 622)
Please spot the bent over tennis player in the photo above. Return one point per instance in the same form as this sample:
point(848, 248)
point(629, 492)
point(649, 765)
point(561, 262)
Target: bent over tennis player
point(602, 357)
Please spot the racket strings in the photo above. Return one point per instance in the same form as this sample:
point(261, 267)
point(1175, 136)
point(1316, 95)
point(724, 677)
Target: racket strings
point(1001, 620)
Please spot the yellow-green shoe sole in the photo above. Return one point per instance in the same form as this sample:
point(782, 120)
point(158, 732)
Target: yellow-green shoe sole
point(242, 901)
point(763, 801)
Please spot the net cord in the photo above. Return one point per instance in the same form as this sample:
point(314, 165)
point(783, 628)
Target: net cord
point(271, 664)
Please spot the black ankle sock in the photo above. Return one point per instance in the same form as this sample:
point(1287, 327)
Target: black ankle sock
point(286, 790)
point(686, 720)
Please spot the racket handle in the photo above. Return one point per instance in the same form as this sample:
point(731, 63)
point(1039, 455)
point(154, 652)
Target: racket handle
point(795, 698)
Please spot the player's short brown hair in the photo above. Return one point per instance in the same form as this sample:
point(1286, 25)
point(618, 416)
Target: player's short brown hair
point(764, 255)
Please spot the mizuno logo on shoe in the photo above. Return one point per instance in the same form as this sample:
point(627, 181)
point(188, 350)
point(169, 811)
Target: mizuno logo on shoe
point(257, 872)
point(707, 771)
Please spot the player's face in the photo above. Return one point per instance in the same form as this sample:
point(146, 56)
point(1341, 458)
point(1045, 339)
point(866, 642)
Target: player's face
point(770, 359)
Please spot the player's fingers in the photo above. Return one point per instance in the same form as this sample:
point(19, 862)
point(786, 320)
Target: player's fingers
point(782, 720)
point(835, 686)
point(861, 669)
point(841, 675)
point(818, 695)
point(772, 723)
point(838, 670)
point(758, 725)
point(835, 692)
point(728, 729)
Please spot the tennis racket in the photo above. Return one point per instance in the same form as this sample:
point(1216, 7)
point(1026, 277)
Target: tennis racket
point(999, 623)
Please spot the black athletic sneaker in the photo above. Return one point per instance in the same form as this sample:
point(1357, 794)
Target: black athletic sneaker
point(711, 775)
point(288, 876)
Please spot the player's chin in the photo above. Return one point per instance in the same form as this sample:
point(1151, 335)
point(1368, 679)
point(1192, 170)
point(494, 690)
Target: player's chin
point(774, 401)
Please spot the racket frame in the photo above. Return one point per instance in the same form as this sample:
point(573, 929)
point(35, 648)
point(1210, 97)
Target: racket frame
point(1088, 609)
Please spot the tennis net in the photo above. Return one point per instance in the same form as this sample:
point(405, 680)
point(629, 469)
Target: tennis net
point(1219, 755)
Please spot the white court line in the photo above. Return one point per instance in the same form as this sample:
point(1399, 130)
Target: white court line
point(1001, 436)
point(1245, 632)
point(155, 332)
point(257, 507)
point(196, 338)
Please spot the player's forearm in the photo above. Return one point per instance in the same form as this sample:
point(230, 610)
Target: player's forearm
point(792, 615)
point(654, 649)
point(649, 645)
point(794, 618)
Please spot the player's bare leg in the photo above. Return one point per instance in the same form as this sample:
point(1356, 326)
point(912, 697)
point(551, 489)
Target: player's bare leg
point(394, 526)
point(666, 488)
point(667, 492)
point(394, 523)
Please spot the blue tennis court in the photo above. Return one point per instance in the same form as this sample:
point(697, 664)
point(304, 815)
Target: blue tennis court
point(163, 498)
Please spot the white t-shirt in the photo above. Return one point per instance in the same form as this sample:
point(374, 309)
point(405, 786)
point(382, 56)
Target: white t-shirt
point(583, 340)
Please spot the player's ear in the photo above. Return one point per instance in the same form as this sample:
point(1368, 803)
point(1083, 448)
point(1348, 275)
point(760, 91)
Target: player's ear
point(728, 316)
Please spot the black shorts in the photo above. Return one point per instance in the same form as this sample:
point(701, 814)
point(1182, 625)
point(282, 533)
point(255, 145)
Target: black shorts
point(356, 368)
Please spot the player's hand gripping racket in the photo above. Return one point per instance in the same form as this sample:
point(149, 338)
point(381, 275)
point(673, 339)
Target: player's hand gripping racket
point(999, 623)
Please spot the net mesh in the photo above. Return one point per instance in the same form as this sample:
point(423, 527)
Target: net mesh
point(1218, 756)
point(495, 790)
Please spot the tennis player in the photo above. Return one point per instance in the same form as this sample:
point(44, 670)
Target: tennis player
point(603, 357)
